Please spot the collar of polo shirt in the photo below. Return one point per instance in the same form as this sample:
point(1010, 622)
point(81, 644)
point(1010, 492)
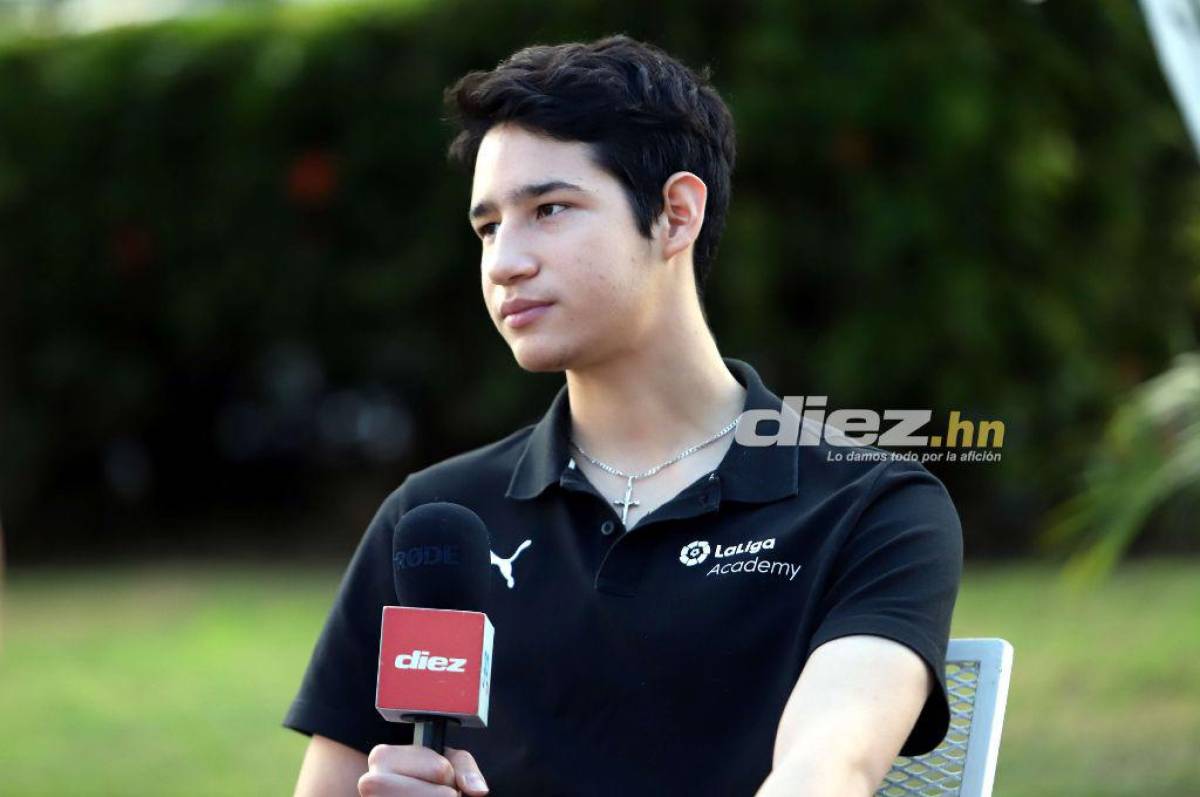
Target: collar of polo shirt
point(755, 474)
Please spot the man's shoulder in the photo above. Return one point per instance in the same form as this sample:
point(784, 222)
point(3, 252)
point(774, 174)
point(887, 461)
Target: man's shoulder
point(829, 460)
point(470, 472)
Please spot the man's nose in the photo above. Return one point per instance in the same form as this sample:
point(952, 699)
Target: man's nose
point(509, 258)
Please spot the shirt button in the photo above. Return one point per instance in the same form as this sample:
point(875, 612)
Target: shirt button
point(607, 527)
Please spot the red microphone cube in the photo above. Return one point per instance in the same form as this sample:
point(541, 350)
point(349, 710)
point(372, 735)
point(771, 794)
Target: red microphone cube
point(435, 662)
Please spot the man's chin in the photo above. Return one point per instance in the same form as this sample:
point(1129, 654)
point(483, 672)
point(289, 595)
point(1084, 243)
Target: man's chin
point(541, 359)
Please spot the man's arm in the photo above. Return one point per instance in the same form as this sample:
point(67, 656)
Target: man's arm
point(330, 769)
point(853, 706)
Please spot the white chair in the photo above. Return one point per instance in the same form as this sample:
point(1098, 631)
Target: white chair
point(964, 764)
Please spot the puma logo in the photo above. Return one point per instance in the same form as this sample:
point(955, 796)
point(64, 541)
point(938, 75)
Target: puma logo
point(506, 565)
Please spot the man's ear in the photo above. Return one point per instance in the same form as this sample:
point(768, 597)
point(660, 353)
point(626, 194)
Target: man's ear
point(684, 198)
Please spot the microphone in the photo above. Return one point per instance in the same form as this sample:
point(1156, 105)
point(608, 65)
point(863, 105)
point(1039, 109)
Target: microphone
point(435, 648)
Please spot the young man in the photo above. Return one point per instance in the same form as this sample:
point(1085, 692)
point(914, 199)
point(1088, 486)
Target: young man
point(680, 613)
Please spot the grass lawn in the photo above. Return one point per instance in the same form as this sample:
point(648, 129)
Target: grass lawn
point(173, 680)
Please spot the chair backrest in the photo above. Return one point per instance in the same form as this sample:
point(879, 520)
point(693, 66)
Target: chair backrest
point(964, 764)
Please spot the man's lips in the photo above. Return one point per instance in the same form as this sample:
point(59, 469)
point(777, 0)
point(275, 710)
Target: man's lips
point(516, 313)
point(511, 306)
point(521, 318)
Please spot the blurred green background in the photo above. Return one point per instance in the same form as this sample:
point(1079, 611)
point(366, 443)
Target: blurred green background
point(239, 299)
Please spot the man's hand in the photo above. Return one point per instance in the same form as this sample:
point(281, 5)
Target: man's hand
point(406, 770)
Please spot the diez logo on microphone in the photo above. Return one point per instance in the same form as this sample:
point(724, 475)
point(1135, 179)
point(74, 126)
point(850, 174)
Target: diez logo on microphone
point(421, 660)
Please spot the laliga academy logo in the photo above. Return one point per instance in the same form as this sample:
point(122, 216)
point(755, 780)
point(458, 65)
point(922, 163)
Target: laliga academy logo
point(506, 565)
point(697, 551)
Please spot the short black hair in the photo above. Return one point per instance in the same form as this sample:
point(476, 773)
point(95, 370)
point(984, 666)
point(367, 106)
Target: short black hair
point(645, 114)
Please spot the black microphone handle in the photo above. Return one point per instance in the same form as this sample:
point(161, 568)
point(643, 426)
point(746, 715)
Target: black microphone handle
point(430, 731)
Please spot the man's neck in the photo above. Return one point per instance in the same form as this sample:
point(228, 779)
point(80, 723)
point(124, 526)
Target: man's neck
point(643, 408)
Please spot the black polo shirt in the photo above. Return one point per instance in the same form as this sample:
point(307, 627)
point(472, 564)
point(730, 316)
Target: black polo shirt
point(655, 661)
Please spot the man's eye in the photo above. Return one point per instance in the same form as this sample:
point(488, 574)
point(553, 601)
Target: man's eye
point(542, 209)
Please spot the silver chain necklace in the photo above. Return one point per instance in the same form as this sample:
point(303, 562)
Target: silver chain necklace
point(628, 499)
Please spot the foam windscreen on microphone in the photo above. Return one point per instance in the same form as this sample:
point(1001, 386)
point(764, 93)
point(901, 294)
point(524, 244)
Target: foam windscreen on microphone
point(440, 558)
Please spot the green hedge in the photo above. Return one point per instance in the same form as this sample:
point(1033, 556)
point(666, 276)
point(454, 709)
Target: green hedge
point(989, 208)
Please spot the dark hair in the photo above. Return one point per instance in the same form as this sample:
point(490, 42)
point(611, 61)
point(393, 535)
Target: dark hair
point(645, 114)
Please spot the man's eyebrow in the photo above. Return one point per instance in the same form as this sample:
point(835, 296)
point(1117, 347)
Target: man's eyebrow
point(525, 192)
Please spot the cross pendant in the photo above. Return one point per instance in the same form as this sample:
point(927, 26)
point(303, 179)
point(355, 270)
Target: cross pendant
point(625, 504)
